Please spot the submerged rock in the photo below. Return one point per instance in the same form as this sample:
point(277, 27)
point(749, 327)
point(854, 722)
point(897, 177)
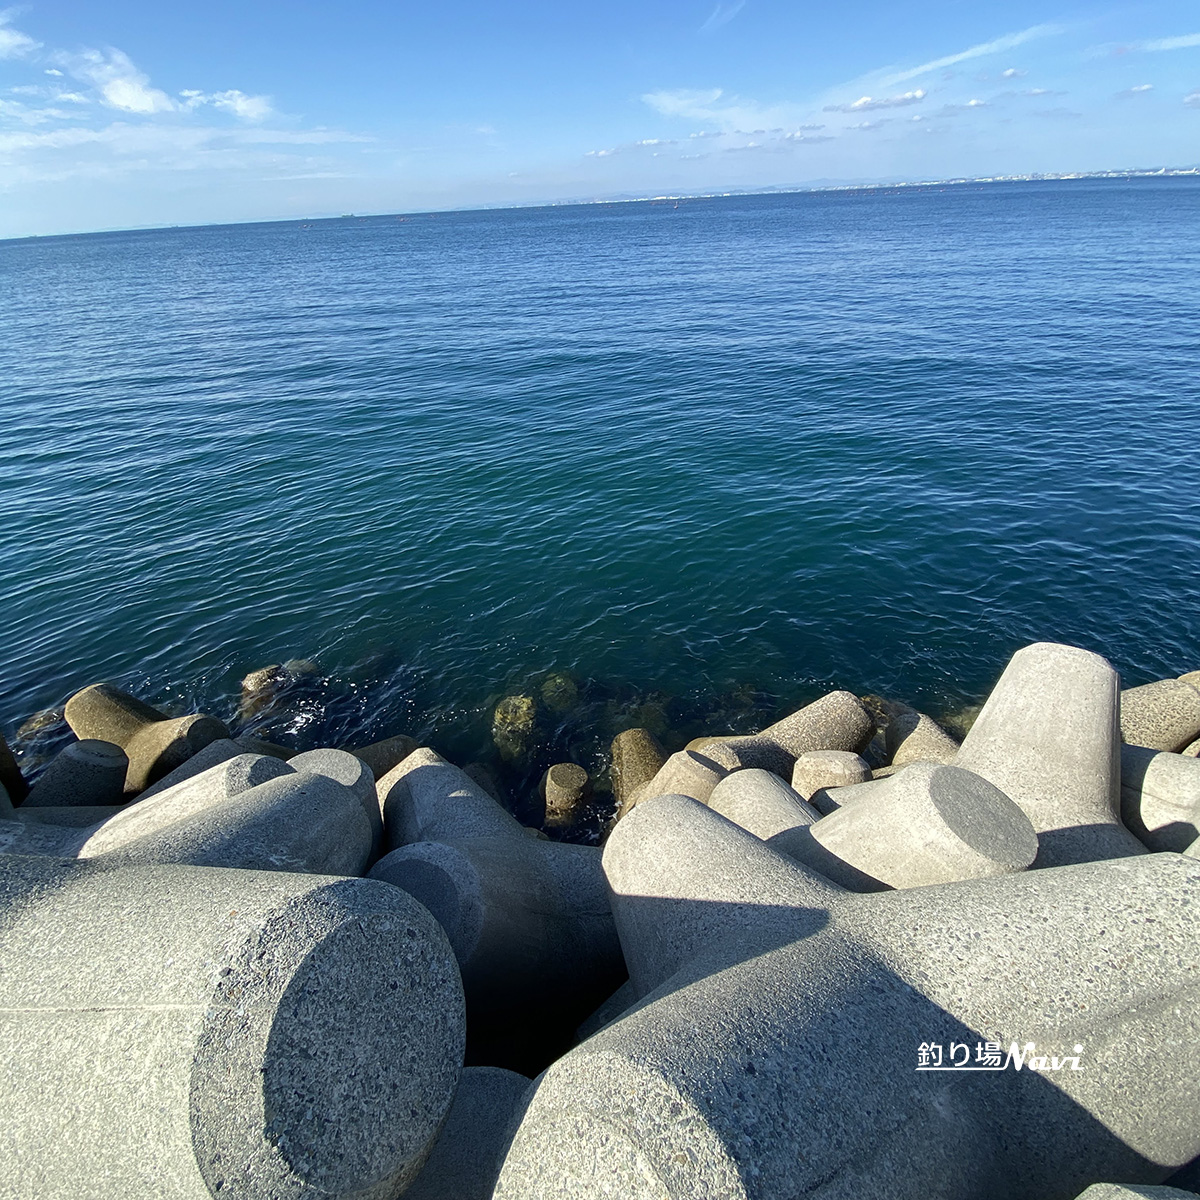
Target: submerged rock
point(512, 726)
point(559, 693)
point(46, 719)
point(11, 779)
point(260, 688)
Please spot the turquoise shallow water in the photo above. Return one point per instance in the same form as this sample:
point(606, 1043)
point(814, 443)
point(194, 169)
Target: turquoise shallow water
point(711, 459)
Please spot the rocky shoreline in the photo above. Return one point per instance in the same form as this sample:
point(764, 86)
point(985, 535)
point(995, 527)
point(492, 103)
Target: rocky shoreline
point(849, 955)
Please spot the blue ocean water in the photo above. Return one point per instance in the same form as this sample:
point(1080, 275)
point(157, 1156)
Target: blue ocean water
point(709, 458)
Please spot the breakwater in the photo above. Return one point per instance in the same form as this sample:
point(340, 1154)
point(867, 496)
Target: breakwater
point(846, 911)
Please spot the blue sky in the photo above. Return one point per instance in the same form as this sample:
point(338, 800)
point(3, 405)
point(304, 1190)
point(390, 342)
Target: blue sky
point(127, 114)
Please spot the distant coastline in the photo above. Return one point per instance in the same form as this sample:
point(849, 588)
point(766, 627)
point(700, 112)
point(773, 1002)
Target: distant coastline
point(787, 190)
point(627, 198)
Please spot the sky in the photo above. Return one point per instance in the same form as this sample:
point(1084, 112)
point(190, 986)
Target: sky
point(127, 114)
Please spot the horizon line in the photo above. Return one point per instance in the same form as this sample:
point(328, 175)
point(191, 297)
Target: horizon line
point(621, 198)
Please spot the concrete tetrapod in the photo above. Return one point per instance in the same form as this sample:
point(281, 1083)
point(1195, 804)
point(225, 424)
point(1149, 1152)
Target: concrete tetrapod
point(381, 757)
point(1160, 797)
point(1125, 1191)
point(251, 811)
point(927, 824)
point(636, 759)
point(1164, 715)
point(179, 1032)
point(352, 772)
point(219, 751)
point(426, 799)
point(529, 920)
point(1047, 737)
point(23, 835)
point(86, 773)
point(837, 721)
point(154, 742)
point(688, 772)
point(828, 769)
point(566, 788)
point(464, 1163)
point(761, 803)
point(914, 737)
point(773, 1053)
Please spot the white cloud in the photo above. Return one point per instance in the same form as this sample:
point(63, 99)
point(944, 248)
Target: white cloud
point(952, 110)
point(1012, 73)
point(684, 102)
point(14, 43)
point(722, 15)
point(120, 84)
point(1193, 100)
point(865, 103)
point(1137, 90)
point(1007, 42)
point(53, 71)
point(248, 108)
point(1186, 42)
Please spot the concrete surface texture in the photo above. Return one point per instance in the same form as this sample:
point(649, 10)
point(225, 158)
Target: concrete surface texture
point(774, 1052)
point(201, 1032)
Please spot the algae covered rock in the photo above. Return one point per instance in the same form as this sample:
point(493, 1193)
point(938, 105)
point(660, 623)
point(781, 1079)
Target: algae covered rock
point(513, 723)
point(261, 688)
point(559, 692)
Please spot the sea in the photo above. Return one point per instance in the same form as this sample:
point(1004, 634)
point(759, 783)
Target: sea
point(683, 464)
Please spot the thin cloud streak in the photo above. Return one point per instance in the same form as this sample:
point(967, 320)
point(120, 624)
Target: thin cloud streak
point(1008, 42)
point(722, 15)
point(1186, 42)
